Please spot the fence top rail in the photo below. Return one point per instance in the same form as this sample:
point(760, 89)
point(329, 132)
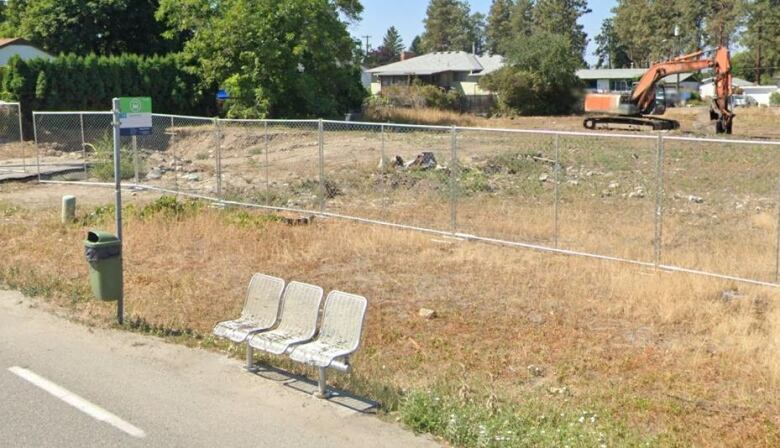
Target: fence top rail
point(723, 140)
point(73, 112)
point(275, 120)
point(652, 136)
point(185, 117)
point(9, 103)
point(397, 125)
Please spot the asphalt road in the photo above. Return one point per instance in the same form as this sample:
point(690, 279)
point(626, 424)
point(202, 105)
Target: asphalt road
point(65, 385)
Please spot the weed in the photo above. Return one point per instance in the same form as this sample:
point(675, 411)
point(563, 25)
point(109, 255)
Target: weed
point(103, 168)
point(202, 156)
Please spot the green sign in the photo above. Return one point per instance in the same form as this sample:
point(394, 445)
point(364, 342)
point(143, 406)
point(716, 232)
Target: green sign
point(135, 115)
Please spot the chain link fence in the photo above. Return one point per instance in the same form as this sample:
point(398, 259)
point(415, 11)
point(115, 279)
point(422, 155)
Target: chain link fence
point(15, 156)
point(703, 206)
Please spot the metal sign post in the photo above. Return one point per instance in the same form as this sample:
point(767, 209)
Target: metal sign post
point(133, 117)
point(120, 311)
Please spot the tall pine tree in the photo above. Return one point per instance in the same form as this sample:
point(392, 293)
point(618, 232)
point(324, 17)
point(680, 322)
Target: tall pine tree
point(499, 23)
point(393, 41)
point(610, 51)
point(762, 38)
point(449, 26)
point(560, 17)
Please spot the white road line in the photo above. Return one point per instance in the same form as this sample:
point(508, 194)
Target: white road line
point(77, 402)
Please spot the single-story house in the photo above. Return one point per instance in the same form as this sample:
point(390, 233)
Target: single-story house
point(606, 80)
point(365, 78)
point(449, 70)
point(18, 46)
point(707, 88)
point(760, 94)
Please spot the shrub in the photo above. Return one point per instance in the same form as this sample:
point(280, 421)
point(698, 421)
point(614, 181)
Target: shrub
point(417, 96)
point(103, 168)
point(71, 82)
point(774, 99)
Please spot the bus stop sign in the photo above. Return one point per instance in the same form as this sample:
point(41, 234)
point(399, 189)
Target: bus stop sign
point(135, 116)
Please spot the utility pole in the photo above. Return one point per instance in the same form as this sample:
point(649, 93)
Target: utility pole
point(368, 44)
point(679, 52)
point(758, 57)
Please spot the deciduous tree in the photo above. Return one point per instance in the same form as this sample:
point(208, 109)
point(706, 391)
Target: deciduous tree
point(284, 58)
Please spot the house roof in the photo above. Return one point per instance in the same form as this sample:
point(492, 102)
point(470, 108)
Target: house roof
point(735, 82)
point(624, 73)
point(4, 42)
point(439, 62)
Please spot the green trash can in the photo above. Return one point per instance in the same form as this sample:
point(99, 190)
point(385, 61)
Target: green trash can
point(104, 256)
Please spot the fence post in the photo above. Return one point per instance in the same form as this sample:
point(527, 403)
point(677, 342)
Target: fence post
point(777, 243)
point(218, 158)
point(557, 176)
point(383, 173)
point(19, 113)
point(37, 148)
point(175, 162)
point(454, 173)
point(173, 133)
point(659, 193)
point(83, 144)
point(135, 160)
point(267, 163)
point(322, 165)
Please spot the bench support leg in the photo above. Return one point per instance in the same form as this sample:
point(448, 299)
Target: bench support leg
point(322, 390)
point(250, 361)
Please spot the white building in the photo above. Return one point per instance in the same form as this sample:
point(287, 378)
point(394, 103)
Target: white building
point(18, 46)
point(760, 93)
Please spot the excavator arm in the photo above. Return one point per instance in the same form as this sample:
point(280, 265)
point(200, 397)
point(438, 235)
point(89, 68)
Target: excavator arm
point(642, 99)
point(643, 94)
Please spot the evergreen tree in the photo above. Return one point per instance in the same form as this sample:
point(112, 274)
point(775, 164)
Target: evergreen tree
point(416, 46)
point(560, 17)
point(610, 50)
point(498, 30)
point(393, 42)
point(522, 22)
point(478, 27)
point(762, 37)
point(448, 27)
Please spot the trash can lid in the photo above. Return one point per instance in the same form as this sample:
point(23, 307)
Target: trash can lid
point(97, 237)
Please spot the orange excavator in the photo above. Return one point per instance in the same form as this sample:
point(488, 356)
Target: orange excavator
point(648, 96)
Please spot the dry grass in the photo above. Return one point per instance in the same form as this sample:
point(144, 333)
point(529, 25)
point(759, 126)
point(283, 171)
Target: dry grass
point(663, 353)
point(17, 150)
point(750, 122)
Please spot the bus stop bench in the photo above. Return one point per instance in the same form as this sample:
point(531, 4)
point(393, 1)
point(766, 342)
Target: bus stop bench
point(287, 324)
point(339, 336)
point(260, 312)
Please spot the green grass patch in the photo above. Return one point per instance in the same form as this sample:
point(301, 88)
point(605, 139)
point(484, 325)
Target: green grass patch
point(470, 422)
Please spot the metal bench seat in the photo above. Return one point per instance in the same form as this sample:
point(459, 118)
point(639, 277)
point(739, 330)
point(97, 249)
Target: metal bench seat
point(342, 326)
point(298, 320)
point(260, 312)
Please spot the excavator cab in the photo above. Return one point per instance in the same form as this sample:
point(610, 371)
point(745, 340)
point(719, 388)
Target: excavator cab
point(660, 100)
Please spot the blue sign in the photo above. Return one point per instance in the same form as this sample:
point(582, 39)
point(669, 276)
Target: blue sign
point(223, 95)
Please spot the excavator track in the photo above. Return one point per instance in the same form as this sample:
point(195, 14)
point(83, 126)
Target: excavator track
point(630, 123)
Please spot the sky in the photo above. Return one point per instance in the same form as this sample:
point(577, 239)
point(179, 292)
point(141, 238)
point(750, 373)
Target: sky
point(407, 16)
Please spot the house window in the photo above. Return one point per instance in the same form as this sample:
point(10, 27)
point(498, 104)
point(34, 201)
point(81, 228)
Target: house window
point(619, 85)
